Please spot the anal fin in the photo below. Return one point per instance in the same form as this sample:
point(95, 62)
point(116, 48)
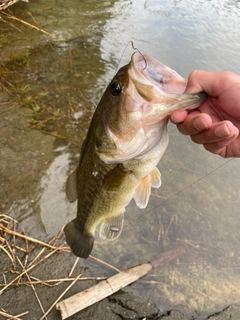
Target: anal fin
point(111, 228)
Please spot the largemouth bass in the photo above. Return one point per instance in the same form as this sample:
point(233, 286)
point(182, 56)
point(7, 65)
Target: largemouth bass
point(125, 141)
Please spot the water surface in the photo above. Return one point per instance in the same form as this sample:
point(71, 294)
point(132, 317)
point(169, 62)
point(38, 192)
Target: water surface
point(197, 205)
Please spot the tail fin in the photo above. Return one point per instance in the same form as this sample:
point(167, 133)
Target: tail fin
point(81, 244)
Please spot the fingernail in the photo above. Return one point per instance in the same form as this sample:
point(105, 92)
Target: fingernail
point(222, 131)
point(200, 124)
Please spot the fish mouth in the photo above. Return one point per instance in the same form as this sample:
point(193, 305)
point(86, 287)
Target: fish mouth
point(148, 71)
point(159, 85)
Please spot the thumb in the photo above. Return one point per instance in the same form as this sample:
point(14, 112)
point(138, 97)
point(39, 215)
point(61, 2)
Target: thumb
point(196, 82)
point(210, 82)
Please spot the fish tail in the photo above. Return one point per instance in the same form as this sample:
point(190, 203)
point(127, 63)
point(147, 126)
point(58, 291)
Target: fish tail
point(81, 244)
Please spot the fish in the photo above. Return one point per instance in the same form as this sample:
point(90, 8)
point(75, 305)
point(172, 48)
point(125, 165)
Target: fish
point(125, 141)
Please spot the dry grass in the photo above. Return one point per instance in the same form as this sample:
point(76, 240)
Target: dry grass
point(23, 259)
point(4, 4)
point(10, 17)
point(7, 17)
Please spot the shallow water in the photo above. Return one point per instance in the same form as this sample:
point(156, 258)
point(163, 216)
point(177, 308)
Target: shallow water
point(198, 202)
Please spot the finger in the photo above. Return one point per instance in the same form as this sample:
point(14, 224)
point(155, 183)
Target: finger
point(194, 123)
point(219, 131)
point(220, 147)
point(178, 116)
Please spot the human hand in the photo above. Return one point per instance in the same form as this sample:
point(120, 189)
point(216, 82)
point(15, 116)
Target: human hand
point(216, 123)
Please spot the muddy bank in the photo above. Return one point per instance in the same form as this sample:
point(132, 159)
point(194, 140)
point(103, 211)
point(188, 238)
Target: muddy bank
point(49, 273)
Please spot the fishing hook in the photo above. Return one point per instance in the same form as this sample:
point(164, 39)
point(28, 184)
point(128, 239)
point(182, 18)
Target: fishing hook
point(135, 48)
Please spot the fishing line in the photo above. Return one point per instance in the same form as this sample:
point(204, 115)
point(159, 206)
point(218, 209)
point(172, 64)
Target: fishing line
point(179, 192)
point(134, 48)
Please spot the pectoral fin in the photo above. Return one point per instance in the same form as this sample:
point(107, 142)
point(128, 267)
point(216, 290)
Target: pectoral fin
point(155, 178)
point(71, 187)
point(110, 229)
point(115, 178)
point(142, 192)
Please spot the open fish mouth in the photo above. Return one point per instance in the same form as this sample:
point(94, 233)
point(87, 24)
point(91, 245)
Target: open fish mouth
point(147, 70)
point(158, 84)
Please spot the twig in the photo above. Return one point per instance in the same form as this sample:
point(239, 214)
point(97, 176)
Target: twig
point(102, 290)
point(42, 251)
point(55, 239)
point(32, 286)
point(26, 243)
point(73, 267)
point(7, 253)
point(74, 142)
point(4, 216)
point(58, 281)
point(105, 263)
point(113, 284)
point(29, 13)
point(44, 244)
point(28, 24)
point(28, 269)
point(9, 316)
point(4, 278)
point(37, 256)
point(14, 241)
point(14, 27)
point(12, 254)
point(61, 295)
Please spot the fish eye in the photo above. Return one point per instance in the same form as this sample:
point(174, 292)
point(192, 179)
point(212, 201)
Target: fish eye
point(115, 89)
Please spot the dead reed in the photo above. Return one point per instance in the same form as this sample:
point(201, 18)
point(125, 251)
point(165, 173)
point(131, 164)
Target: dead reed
point(24, 253)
